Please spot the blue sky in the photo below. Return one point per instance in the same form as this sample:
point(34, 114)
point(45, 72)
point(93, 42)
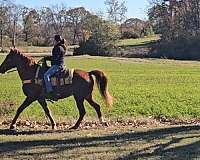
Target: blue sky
point(136, 8)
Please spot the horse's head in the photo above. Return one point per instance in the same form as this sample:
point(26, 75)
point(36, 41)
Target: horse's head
point(10, 61)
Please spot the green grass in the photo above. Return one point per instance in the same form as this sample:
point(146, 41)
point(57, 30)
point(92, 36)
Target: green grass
point(139, 87)
point(138, 41)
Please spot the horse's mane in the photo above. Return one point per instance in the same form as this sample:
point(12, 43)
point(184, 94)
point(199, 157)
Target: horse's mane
point(29, 61)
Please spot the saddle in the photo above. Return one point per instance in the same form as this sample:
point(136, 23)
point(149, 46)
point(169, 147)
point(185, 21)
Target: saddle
point(60, 78)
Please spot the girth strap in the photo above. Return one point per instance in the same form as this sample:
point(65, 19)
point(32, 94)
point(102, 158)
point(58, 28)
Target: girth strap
point(36, 80)
point(26, 81)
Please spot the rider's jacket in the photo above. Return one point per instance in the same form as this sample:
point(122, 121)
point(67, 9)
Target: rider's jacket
point(58, 53)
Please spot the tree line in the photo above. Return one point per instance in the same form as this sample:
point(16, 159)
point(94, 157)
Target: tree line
point(178, 21)
point(94, 32)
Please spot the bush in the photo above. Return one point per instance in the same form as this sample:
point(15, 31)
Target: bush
point(181, 49)
point(90, 47)
point(2, 50)
point(7, 42)
point(130, 34)
point(148, 31)
point(103, 37)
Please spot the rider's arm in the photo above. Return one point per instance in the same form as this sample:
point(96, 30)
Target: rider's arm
point(58, 53)
point(48, 58)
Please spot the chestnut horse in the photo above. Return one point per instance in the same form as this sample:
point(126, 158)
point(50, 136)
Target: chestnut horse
point(81, 87)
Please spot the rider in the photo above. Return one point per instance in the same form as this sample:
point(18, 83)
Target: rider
point(57, 61)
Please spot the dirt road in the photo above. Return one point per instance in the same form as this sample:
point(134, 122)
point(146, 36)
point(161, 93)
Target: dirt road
point(169, 142)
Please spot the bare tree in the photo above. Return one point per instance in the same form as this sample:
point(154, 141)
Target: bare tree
point(30, 24)
point(116, 11)
point(3, 22)
point(15, 15)
point(175, 18)
point(76, 18)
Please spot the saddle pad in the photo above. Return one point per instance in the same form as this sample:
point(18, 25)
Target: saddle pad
point(63, 81)
point(57, 81)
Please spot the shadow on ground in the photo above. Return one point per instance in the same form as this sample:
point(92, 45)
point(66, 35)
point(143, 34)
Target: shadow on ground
point(156, 149)
point(8, 132)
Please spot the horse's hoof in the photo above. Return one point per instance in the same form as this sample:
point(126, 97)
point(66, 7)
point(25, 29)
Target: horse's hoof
point(54, 127)
point(12, 127)
point(73, 128)
point(105, 124)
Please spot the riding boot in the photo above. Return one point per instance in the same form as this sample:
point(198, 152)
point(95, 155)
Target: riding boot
point(52, 96)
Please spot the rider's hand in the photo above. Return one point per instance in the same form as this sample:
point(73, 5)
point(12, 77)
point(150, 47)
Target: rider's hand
point(42, 60)
point(47, 58)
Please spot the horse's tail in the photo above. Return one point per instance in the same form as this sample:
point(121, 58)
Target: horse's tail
point(102, 83)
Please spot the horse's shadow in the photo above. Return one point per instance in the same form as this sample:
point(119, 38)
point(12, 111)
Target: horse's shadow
point(9, 132)
point(160, 149)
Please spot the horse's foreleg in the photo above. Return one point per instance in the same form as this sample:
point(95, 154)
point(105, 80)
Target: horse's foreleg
point(25, 104)
point(81, 108)
point(43, 103)
point(96, 106)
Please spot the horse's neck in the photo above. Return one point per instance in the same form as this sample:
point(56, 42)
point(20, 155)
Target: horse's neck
point(27, 72)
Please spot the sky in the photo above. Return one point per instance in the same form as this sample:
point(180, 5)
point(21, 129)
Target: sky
point(136, 8)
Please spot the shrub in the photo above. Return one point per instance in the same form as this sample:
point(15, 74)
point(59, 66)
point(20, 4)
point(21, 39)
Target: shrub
point(181, 49)
point(130, 34)
point(103, 37)
point(90, 47)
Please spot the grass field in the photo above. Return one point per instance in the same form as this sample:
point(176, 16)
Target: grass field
point(140, 87)
point(138, 41)
point(158, 88)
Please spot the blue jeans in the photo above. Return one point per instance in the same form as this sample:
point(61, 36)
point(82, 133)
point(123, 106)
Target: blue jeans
point(47, 77)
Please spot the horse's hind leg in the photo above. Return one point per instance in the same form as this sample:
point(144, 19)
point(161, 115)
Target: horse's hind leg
point(81, 108)
point(97, 108)
point(25, 104)
point(43, 103)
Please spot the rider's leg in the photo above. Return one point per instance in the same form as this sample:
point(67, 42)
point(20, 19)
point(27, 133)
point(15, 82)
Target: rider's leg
point(47, 77)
